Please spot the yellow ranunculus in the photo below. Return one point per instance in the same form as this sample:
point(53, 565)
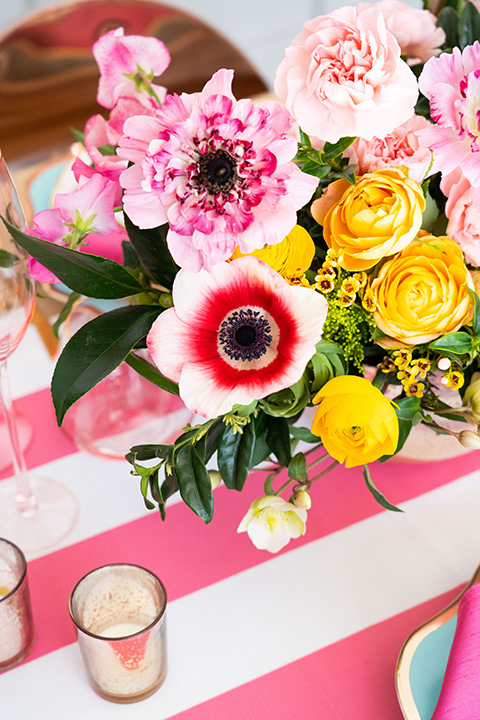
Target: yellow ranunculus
point(373, 219)
point(291, 257)
point(355, 422)
point(422, 293)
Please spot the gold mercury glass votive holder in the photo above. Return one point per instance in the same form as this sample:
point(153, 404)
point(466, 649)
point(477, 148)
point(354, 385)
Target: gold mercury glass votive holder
point(119, 613)
point(16, 626)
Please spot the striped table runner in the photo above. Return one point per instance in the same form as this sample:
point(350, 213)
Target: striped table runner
point(312, 632)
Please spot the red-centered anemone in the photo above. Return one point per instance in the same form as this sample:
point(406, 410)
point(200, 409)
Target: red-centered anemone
point(235, 334)
point(217, 170)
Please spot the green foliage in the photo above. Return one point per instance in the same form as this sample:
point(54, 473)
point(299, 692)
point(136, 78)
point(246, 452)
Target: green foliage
point(379, 497)
point(351, 328)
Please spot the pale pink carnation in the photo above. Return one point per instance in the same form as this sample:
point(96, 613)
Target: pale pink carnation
point(120, 57)
point(399, 148)
point(463, 212)
point(451, 83)
point(218, 171)
point(415, 30)
point(343, 76)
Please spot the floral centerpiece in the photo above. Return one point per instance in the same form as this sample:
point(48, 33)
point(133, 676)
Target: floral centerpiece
point(302, 272)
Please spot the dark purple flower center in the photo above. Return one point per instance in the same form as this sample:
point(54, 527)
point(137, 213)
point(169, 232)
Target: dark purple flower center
point(217, 171)
point(245, 335)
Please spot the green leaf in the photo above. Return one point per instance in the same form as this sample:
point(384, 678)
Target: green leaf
point(194, 482)
point(458, 343)
point(409, 413)
point(448, 20)
point(86, 274)
point(97, 349)
point(379, 497)
point(150, 373)
point(278, 439)
point(65, 312)
point(476, 311)
point(8, 259)
point(304, 434)
point(468, 25)
point(153, 253)
point(332, 151)
point(148, 452)
point(261, 451)
point(297, 468)
point(235, 454)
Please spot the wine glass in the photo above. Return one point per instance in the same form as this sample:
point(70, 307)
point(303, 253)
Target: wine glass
point(35, 512)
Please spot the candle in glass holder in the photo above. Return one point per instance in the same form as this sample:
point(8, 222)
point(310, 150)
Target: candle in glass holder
point(16, 627)
point(119, 612)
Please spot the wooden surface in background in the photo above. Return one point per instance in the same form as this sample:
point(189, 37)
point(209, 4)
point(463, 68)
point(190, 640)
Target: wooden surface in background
point(48, 76)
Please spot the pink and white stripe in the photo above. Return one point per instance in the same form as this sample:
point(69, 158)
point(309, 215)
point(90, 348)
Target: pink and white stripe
point(313, 632)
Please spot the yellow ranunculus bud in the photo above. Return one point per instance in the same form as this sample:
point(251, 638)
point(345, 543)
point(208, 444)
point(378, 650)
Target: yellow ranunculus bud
point(472, 397)
point(291, 257)
point(422, 293)
point(356, 423)
point(469, 439)
point(373, 219)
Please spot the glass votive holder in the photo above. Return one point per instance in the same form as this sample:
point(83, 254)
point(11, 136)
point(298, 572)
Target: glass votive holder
point(119, 613)
point(16, 626)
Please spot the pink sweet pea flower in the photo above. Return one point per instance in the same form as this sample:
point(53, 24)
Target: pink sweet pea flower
point(415, 30)
point(451, 82)
point(75, 219)
point(217, 170)
point(121, 59)
point(235, 334)
point(343, 76)
point(401, 147)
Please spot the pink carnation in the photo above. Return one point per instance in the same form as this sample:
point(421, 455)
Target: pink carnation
point(218, 171)
point(400, 147)
point(343, 76)
point(451, 83)
point(463, 212)
point(415, 30)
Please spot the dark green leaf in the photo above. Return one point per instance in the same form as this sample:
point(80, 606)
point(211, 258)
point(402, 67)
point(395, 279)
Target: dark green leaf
point(408, 412)
point(148, 452)
point(278, 439)
point(332, 151)
point(379, 497)
point(86, 274)
point(194, 482)
point(468, 25)
point(153, 253)
point(150, 373)
point(260, 449)
point(448, 20)
point(458, 343)
point(297, 468)
point(97, 349)
point(235, 454)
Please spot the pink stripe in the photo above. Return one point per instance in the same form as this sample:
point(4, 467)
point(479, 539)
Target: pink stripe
point(49, 442)
point(350, 680)
point(189, 555)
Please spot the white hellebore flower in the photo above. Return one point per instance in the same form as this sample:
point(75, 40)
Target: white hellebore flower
point(272, 522)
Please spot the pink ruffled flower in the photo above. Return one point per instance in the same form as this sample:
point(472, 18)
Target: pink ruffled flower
point(415, 30)
point(75, 219)
point(121, 58)
point(401, 147)
point(217, 170)
point(235, 334)
point(451, 83)
point(343, 76)
point(463, 212)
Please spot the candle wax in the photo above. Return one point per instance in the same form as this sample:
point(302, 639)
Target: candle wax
point(124, 629)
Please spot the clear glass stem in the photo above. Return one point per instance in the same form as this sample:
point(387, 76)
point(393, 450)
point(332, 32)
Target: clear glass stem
point(27, 503)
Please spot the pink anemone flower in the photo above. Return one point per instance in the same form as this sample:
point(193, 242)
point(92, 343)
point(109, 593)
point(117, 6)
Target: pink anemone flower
point(217, 170)
point(235, 334)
